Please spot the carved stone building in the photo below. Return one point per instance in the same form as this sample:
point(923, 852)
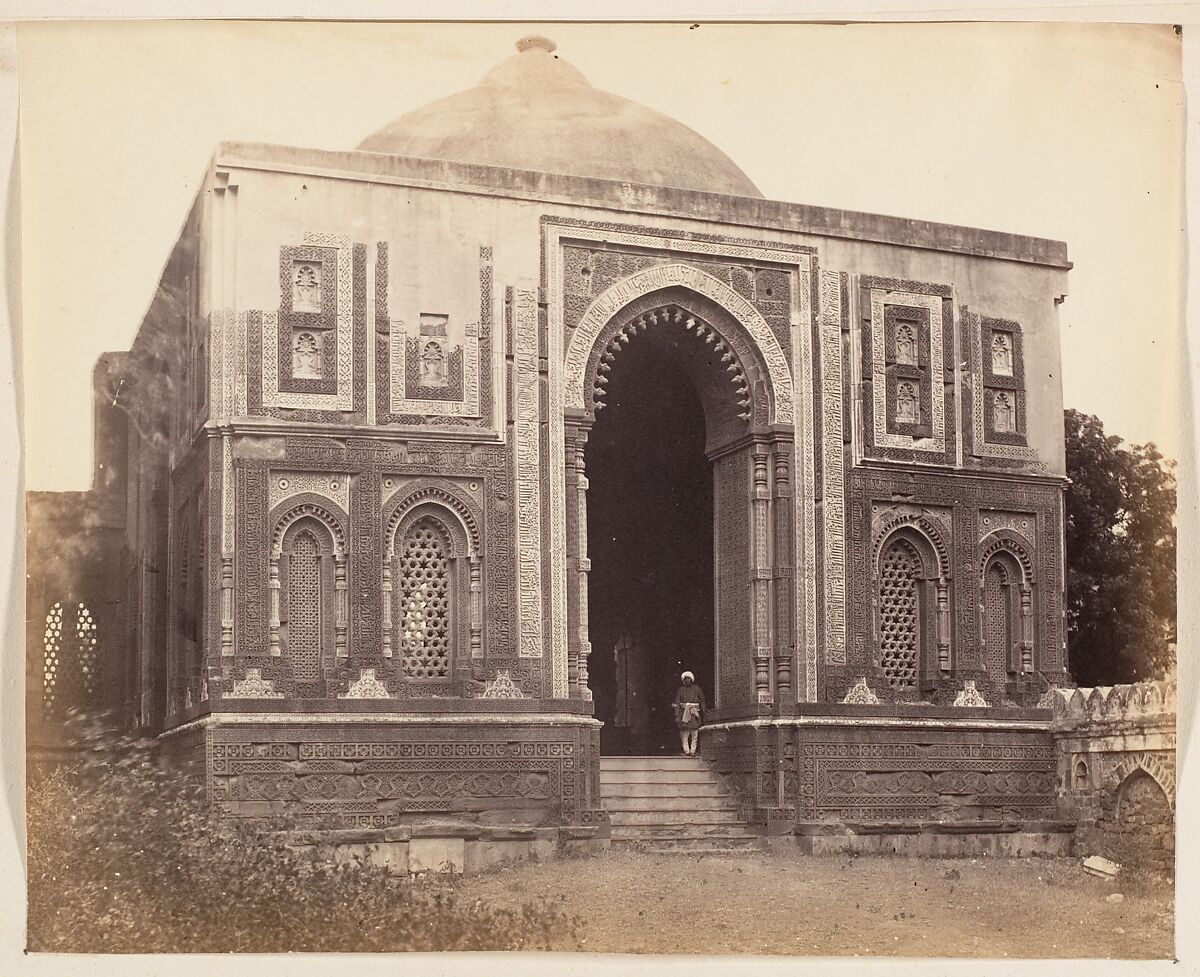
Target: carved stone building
point(534, 396)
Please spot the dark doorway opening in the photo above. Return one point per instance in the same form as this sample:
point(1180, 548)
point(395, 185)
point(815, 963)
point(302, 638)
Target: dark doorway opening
point(650, 525)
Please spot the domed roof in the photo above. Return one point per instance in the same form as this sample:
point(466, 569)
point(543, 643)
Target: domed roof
point(536, 112)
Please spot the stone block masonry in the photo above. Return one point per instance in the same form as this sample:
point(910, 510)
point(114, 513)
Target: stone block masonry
point(1115, 755)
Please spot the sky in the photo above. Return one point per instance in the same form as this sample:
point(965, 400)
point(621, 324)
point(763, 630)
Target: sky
point(1071, 132)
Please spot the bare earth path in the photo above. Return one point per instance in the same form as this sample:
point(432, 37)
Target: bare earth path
point(790, 903)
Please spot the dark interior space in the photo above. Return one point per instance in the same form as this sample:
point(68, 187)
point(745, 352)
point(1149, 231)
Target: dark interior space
point(650, 591)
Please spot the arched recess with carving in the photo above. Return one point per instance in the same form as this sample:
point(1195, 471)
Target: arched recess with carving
point(911, 605)
point(716, 351)
point(308, 585)
point(1144, 763)
point(432, 584)
point(738, 322)
point(1006, 601)
point(744, 383)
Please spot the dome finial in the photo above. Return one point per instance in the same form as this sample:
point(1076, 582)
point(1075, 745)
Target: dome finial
point(536, 42)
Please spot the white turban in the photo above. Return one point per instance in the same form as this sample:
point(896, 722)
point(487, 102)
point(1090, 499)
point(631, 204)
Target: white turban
point(687, 675)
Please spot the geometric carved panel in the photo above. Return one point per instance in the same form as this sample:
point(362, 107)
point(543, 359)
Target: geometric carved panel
point(940, 776)
point(905, 370)
point(325, 263)
point(994, 399)
point(433, 359)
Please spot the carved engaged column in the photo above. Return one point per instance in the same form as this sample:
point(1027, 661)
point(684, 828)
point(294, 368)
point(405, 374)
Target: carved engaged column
point(575, 486)
point(339, 587)
point(570, 461)
point(226, 604)
point(227, 543)
point(784, 572)
point(943, 624)
point(761, 575)
point(273, 588)
point(386, 596)
point(1026, 628)
point(476, 611)
point(585, 566)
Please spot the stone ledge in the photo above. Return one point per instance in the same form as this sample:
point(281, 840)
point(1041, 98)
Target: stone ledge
point(592, 192)
point(813, 829)
point(446, 829)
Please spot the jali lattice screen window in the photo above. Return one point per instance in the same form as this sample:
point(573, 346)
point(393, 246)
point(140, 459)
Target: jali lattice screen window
point(305, 604)
point(424, 596)
point(899, 613)
point(70, 668)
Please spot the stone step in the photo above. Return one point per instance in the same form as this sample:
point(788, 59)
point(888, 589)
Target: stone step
point(625, 816)
point(691, 846)
point(650, 832)
point(717, 802)
point(653, 788)
point(653, 763)
point(658, 777)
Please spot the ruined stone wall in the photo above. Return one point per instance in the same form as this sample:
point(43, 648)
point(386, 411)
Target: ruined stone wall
point(1115, 749)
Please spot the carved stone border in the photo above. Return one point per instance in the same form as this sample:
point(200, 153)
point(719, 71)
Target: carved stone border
point(792, 387)
point(342, 400)
point(979, 443)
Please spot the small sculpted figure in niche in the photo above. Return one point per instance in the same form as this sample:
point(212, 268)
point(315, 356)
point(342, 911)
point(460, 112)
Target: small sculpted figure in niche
point(1002, 354)
point(306, 356)
point(1002, 414)
point(906, 404)
point(306, 291)
point(906, 344)
point(433, 365)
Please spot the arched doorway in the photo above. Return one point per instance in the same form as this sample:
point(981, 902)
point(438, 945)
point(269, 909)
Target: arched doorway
point(650, 534)
point(687, 561)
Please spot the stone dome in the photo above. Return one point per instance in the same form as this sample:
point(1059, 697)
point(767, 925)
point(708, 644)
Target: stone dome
point(536, 112)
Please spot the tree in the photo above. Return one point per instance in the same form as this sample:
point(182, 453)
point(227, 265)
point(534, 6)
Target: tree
point(1120, 548)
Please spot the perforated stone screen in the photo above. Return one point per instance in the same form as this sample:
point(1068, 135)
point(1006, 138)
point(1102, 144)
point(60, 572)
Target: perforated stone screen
point(51, 656)
point(304, 607)
point(898, 614)
point(85, 640)
point(70, 671)
point(996, 623)
point(425, 602)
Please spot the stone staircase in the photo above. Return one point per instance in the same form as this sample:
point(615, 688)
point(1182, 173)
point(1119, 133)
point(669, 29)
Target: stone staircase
point(670, 804)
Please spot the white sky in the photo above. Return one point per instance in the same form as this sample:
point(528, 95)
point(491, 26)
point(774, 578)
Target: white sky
point(1072, 132)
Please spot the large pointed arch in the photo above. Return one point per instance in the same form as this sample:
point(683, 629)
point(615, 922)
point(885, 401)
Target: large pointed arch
point(599, 314)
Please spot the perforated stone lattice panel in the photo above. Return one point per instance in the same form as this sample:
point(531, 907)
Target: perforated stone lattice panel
point(898, 614)
point(304, 607)
point(996, 623)
point(425, 603)
point(70, 673)
point(85, 638)
point(51, 658)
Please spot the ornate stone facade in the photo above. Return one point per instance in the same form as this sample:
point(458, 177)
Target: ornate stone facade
point(375, 521)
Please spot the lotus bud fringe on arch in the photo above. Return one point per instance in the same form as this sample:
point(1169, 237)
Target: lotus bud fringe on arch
point(673, 315)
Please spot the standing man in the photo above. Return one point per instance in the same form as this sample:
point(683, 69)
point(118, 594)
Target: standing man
point(689, 712)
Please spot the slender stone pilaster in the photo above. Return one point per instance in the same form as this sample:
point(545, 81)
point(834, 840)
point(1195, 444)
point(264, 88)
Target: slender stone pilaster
point(783, 571)
point(760, 584)
point(386, 602)
point(273, 589)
